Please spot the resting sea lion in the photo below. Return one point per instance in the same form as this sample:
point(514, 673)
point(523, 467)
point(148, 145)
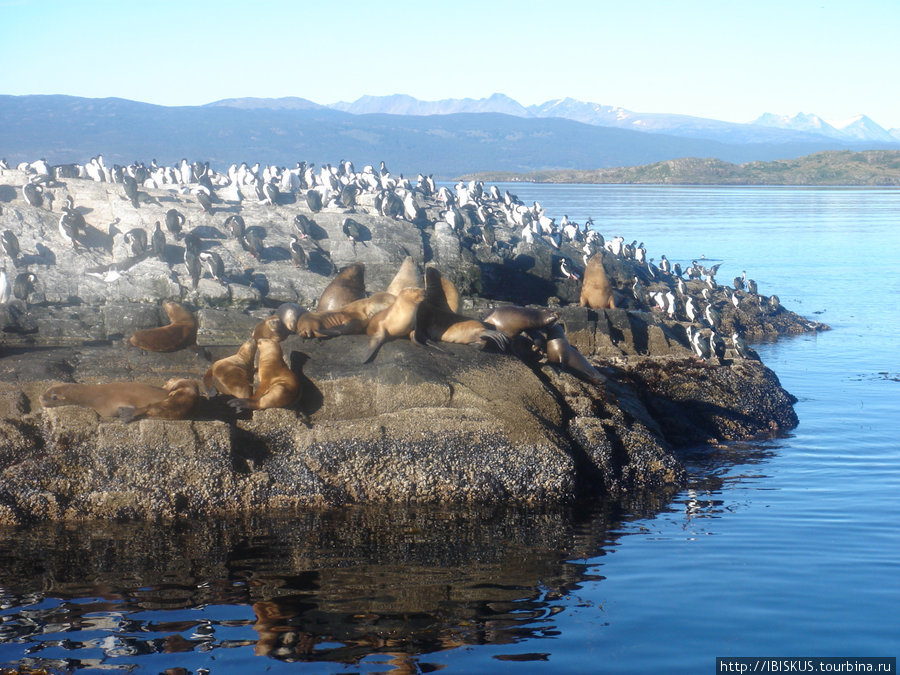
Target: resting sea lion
point(347, 286)
point(398, 320)
point(105, 398)
point(512, 319)
point(407, 277)
point(182, 398)
point(271, 328)
point(350, 320)
point(278, 386)
point(560, 351)
point(233, 375)
point(435, 321)
point(596, 292)
point(180, 333)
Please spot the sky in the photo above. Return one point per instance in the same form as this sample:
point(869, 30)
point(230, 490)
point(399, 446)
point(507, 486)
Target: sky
point(730, 60)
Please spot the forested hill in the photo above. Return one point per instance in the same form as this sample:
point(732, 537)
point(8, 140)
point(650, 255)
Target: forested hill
point(842, 167)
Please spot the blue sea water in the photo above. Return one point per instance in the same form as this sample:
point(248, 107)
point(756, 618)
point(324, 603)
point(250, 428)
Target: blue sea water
point(787, 546)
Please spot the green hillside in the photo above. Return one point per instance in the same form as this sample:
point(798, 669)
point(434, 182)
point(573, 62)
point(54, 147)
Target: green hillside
point(841, 167)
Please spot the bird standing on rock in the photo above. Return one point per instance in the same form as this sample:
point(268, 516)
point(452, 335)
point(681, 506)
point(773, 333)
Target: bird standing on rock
point(212, 261)
point(33, 194)
point(131, 190)
point(252, 243)
point(9, 243)
point(174, 222)
point(235, 224)
point(298, 253)
point(158, 242)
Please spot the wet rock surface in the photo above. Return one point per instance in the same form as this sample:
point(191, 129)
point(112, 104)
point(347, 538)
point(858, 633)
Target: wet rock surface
point(415, 425)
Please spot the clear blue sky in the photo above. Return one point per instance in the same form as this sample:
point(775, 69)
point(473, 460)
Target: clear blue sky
point(725, 59)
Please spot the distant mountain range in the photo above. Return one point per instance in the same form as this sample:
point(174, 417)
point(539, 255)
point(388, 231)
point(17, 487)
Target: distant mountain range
point(768, 128)
point(446, 138)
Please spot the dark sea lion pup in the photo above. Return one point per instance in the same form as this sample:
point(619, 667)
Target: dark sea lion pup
point(347, 286)
point(180, 333)
point(106, 398)
point(278, 386)
point(181, 399)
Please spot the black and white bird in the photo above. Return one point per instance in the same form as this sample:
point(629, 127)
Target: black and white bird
point(712, 316)
point(352, 230)
point(740, 346)
point(298, 253)
point(33, 194)
point(774, 303)
point(131, 190)
point(252, 243)
point(314, 200)
point(136, 242)
point(192, 262)
point(751, 287)
point(9, 243)
point(23, 286)
point(700, 346)
point(204, 200)
point(192, 243)
point(303, 225)
point(174, 222)
point(717, 345)
point(5, 287)
point(640, 295)
point(212, 261)
point(235, 224)
point(158, 242)
point(568, 271)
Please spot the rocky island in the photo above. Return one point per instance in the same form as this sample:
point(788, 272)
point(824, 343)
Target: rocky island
point(417, 422)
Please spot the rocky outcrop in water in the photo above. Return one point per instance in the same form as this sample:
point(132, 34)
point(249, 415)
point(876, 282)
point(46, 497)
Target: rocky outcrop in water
point(419, 425)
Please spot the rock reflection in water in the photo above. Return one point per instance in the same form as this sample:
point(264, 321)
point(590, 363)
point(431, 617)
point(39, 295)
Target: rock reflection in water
point(337, 585)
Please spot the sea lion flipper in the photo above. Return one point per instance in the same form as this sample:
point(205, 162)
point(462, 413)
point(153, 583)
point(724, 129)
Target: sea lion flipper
point(498, 338)
point(375, 345)
point(434, 345)
point(241, 404)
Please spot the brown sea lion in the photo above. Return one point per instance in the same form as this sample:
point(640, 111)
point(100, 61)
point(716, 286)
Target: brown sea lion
point(398, 320)
point(105, 398)
point(182, 398)
point(512, 319)
point(560, 351)
point(407, 277)
point(233, 375)
point(278, 386)
point(435, 321)
point(271, 328)
point(352, 319)
point(329, 324)
point(347, 286)
point(180, 333)
point(596, 292)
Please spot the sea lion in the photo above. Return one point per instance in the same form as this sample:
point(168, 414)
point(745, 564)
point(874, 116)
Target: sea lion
point(105, 398)
point(271, 328)
point(182, 398)
point(398, 320)
point(512, 319)
point(347, 286)
point(560, 351)
point(350, 320)
point(233, 375)
point(289, 312)
point(435, 321)
point(180, 333)
point(407, 277)
point(278, 386)
point(596, 292)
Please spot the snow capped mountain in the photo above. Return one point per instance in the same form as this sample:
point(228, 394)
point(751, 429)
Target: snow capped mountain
point(401, 104)
point(862, 128)
point(859, 128)
point(769, 128)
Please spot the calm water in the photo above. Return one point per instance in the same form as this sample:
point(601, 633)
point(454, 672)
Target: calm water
point(784, 547)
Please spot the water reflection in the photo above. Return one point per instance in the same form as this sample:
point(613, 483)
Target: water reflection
point(338, 585)
point(364, 586)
